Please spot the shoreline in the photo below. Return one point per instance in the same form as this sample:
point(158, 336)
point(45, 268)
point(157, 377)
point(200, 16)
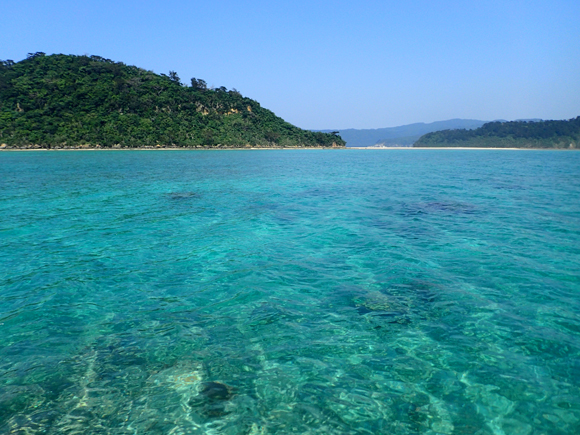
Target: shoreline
point(463, 148)
point(6, 149)
point(172, 149)
point(444, 148)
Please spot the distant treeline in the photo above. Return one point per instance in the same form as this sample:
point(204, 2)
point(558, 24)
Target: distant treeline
point(68, 101)
point(515, 134)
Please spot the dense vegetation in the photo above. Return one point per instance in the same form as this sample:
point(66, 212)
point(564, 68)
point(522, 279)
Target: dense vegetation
point(515, 134)
point(70, 101)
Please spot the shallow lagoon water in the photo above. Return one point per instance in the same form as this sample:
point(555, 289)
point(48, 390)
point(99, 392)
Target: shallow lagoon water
point(303, 291)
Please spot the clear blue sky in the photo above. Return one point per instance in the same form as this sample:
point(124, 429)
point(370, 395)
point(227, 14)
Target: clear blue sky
point(333, 64)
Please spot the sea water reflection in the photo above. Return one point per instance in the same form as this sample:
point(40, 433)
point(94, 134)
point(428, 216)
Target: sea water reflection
point(290, 292)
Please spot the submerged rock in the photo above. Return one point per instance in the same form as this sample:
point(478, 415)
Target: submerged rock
point(212, 399)
point(400, 303)
point(216, 391)
point(265, 314)
point(377, 301)
point(438, 207)
point(181, 195)
point(380, 307)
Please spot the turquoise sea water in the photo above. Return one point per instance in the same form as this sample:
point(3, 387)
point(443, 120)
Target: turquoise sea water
point(271, 292)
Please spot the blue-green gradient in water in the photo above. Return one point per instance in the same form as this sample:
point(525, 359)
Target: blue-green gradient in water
point(271, 292)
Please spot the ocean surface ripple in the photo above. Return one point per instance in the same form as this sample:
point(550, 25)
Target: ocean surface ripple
point(304, 291)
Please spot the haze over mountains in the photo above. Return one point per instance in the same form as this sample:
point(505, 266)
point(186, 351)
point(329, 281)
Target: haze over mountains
point(404, 135)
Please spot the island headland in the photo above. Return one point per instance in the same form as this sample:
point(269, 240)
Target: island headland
point(89, 102)
point(514, 134)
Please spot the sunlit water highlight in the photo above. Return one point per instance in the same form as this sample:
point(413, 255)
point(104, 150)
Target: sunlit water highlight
point(263, 292)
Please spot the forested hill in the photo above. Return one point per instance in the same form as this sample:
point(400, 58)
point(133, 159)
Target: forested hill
point(69, 101)
point(515, 134)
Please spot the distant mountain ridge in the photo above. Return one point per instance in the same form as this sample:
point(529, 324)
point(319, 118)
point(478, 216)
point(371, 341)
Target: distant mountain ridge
point(404, 135)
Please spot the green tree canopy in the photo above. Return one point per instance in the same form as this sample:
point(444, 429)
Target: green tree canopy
point(65, 100)
point(514, 134)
